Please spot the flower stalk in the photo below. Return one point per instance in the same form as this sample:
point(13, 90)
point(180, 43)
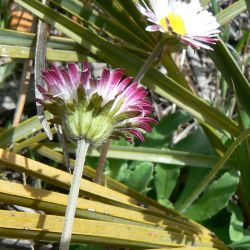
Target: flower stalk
point(82, 148)
point(151, 59)
point(101, 162)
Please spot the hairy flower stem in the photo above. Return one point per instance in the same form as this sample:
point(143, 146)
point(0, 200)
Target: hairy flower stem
point(144, 68)
point(101, 162)
point(215, 169)
point(82, 148)
point(147, 64)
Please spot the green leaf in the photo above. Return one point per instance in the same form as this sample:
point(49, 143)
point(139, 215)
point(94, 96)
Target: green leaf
point(194, 142)
point(165, 180)
point(24, 129)
point(166, 156)
point(116, 11)
point(215, 197)
point(118, 169)
point(51, 54)
point(161, 133)
point(24, 39)
point(248, 6)
point(242, 244)
point(236, 228)
point(5, 71)
point(99, 21)
point(140, 176)
point(231, 12)
point(232, 73)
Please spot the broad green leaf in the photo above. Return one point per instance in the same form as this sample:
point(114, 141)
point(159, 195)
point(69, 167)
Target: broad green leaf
point(118, 169)
point(242, 244)
point(161, 133)
point(162, 85)
point(215, 197)
point(194, 142)
point(236, 228)
point(214, 171)
point(194, 177)
point(140, 176)
point(165, 180)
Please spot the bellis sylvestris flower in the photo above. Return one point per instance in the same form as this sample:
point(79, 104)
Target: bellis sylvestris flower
point(95, 109)
point(194, 25)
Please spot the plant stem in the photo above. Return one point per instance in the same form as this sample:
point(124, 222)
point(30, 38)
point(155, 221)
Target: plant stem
point(147, 64)
point(101, 162)
point(82, 148)
point(201, 187)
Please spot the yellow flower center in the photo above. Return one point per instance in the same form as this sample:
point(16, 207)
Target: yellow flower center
point(176, 23)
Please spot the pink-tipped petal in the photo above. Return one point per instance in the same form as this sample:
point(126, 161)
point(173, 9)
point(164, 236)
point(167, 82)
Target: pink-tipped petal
point(137, 134)
point(73, 73)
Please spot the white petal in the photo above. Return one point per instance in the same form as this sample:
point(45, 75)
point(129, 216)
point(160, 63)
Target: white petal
point(153, 28)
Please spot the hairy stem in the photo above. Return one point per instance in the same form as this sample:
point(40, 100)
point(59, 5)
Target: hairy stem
point(215, 169)
point(101, 162)
point(82, 148)
point(147, 64)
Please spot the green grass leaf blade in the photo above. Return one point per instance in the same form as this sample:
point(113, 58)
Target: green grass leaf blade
point(229, 13)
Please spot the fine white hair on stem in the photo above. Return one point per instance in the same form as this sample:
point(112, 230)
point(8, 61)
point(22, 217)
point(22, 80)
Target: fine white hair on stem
point(82, 148)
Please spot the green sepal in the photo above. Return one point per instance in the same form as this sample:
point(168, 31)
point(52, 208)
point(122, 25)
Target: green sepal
point(56, 120)
point(127, 125)
point(95, 103)
point(125, 115)
point(53, 108)
point(117, 106)
point(70, 107)
point(107, 107)
point(81, 94)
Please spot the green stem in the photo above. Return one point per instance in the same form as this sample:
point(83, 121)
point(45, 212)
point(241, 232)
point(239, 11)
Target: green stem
point(82, 148)
point(147, 64)
point(201, 187)
point(101, 162)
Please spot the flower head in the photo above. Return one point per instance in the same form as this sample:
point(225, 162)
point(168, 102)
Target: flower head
point(194, 25)
point(95, 109)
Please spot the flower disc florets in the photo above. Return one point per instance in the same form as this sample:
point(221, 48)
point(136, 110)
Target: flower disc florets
point(95, 109)
point(189, 21)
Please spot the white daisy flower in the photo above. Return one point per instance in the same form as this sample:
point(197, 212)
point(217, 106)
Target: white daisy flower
point(194, 25)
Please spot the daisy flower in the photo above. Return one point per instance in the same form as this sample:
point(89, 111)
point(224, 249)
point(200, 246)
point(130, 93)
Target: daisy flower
point(189, 21)
point(96, 109)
